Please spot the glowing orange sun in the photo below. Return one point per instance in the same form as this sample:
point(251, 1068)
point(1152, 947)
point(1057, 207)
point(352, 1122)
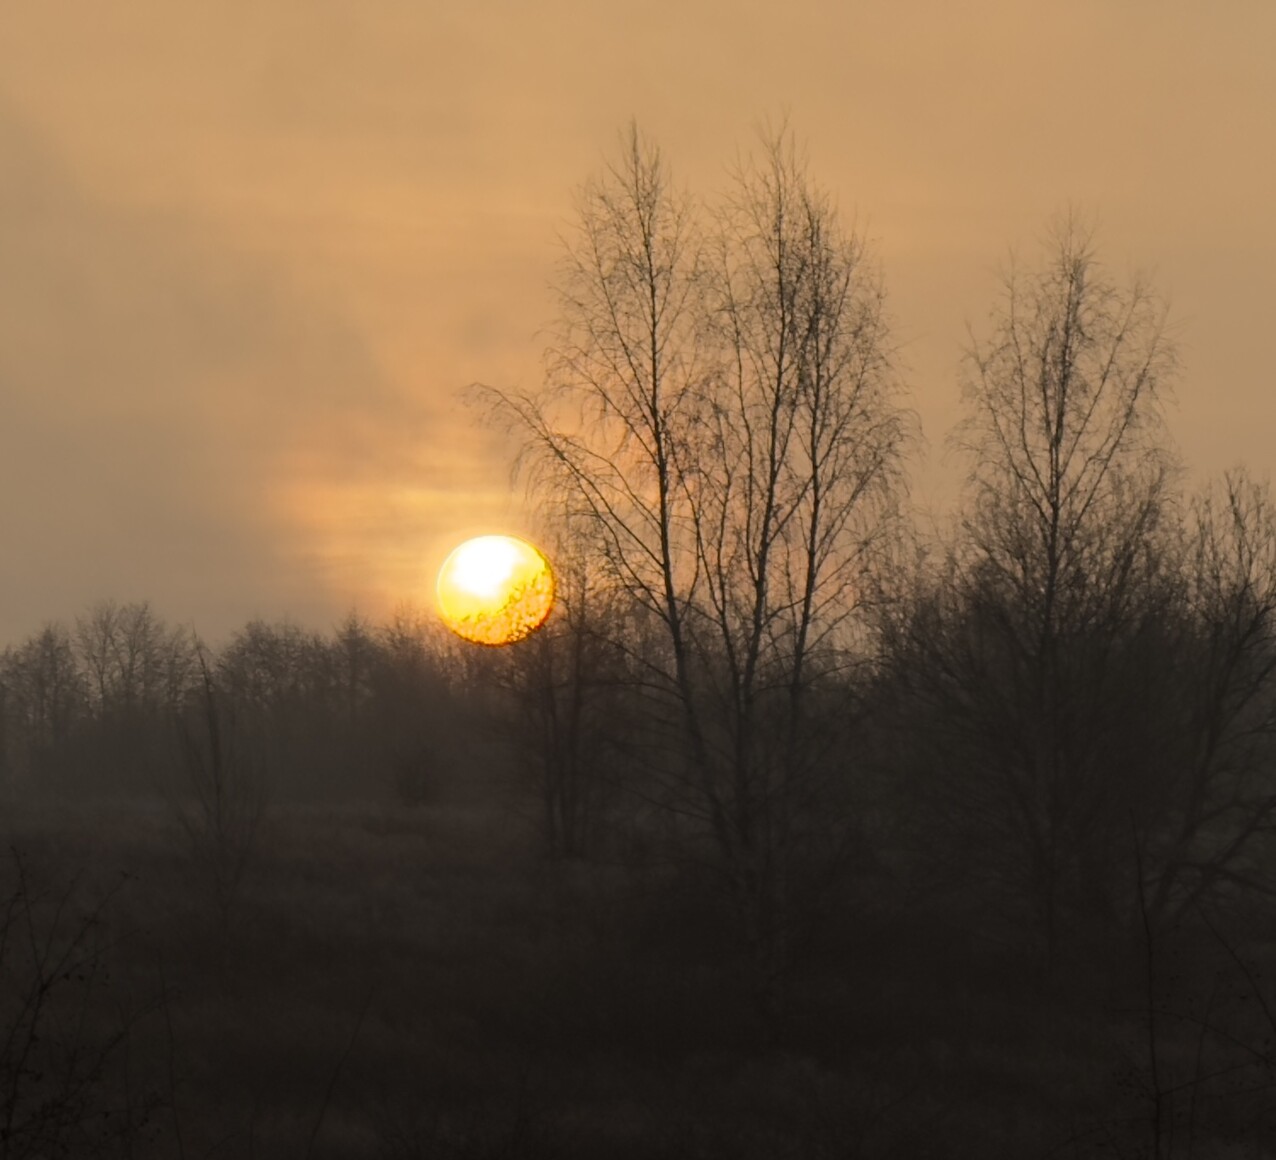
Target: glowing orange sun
point(495, 590)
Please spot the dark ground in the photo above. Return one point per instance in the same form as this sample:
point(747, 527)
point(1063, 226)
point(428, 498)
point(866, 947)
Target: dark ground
point(418, 982)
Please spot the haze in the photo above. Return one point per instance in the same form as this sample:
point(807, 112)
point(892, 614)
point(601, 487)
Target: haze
point(250, 253)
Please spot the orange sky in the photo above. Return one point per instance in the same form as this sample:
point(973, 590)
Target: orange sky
point(251, 251)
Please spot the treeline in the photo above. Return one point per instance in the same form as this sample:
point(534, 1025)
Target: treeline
point(120, 702)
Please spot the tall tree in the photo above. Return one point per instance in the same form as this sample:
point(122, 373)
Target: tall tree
point(720, 413)
point(1027, 648)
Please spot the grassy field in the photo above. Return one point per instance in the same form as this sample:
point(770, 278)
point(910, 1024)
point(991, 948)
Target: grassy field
point(412, 983)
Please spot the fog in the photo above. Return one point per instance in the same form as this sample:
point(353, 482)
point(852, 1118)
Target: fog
point(251, 255)
point(895, 771)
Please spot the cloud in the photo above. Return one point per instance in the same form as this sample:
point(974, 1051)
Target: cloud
point(167, 399)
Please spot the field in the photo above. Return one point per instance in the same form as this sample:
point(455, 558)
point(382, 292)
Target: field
point(419, 982)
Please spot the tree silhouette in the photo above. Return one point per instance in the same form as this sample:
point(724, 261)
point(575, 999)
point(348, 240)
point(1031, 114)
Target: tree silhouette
point(1029, 651)
point(719, 416)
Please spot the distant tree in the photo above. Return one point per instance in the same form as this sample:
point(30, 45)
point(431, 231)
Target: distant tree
point(1024, 655)
point(223, 799)
point(131, 659)
point(271, 666)
point(415, 727)
point(358, 713)
point(137, 671)
point(720, 413)
point(353, 652)
point(279, 678)
point(42, 700)
point(1216, 819)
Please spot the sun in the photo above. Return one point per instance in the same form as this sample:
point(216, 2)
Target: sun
point(495, 590)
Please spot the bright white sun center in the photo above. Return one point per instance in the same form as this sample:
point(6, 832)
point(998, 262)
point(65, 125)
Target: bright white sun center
point(483, 566)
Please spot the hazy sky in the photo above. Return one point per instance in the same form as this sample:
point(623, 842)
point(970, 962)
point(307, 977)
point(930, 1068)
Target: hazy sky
point(251, 250)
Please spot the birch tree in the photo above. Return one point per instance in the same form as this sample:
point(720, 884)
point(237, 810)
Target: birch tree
point(1029, 651)
point(720, 412)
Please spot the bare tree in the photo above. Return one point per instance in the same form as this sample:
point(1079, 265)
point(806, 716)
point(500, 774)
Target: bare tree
point(280, 681)
point(1220, 810)
point(131, 659)
point(1027, 649)
point(414, 721)
point(225, 796)
point(137, 671)
point(354, 653)
point(570, 686)
point(57, 1060)
point(719, 410)
point(42, 699)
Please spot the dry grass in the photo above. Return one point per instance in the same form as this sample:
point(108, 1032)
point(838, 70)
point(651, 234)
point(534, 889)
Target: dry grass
point(424, 981)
